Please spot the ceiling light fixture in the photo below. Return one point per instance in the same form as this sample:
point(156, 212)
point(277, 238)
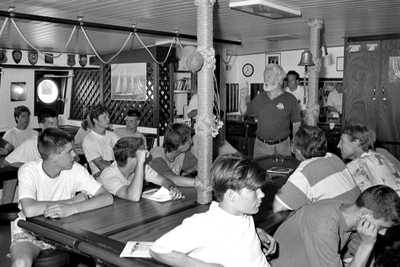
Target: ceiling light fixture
point(264, 8)
point(280, 37)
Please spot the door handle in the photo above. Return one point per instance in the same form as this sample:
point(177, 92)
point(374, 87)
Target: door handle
point(374, 94)
point(383, 93)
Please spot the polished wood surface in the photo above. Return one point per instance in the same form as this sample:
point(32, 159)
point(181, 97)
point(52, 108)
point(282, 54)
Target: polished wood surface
point(103, 233)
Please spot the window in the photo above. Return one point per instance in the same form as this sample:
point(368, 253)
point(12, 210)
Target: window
point(47, 91)
point(50, 90)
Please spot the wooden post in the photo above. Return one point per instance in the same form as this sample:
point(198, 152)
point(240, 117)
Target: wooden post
point(205, 93)
point(312, 111)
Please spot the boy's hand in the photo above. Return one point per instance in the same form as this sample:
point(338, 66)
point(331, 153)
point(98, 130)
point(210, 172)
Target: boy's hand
point(175, 192)
point(367, 231)
point(58, 211)
point(244, 92)
point(268, 242)
point(141, 156)
point(3, 151)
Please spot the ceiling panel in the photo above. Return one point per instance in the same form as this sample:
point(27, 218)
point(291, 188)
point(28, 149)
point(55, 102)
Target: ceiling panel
point(342, 18)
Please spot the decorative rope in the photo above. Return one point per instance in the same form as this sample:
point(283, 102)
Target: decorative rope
point(91, 44)
point(4, 25)
point(36, 49)
point(145, 47)
point(226, 62)
point(179, 42)
point(317, 65)
point(203, 185)
point(312, 113)
point(205, 95)
point(94, 50)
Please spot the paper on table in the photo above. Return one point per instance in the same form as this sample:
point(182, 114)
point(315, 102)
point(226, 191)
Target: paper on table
point(160, 195)
point(279, 170)
point(137, 249)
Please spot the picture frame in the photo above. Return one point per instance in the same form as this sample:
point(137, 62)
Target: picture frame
point(273, 58)
point(18, 91)
point(339, 63)
point(128, 82)
point(48, 58)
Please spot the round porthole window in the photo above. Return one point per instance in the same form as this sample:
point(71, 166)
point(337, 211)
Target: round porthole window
point(47, 91)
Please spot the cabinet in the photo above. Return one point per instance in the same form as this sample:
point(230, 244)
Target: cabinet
point(241, 135)
point(372, 87)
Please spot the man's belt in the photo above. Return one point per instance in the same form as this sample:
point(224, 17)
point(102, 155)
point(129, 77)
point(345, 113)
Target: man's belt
point(271, 143)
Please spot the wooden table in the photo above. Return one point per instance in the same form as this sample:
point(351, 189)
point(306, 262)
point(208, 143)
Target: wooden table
point(102, 233)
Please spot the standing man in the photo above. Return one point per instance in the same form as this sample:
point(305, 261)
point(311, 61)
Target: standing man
point(132, 121)
point(274, 109)
point(99, 143)
point(334, 232)
point(293, 79)
point(335, 98)
point(16, 136)
point(54, 186)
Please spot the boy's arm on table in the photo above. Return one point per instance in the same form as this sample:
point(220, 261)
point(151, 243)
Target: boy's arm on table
point(65, 208)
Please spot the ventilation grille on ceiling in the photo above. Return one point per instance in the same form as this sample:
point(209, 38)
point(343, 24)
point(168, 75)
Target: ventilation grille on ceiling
point(282, 37)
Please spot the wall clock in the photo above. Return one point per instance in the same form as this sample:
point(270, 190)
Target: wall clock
point(248, 70)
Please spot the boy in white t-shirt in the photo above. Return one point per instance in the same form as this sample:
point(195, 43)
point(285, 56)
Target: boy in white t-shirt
point(225, 235)
point(124, 178)
point(49, 187)
point(132, 121)
point(98, 144)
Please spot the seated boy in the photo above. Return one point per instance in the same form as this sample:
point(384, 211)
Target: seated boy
point(124, 177)
point(98, 144)
point(225, 235)
point(132, 121)
point(49, 187)
point(174, 160)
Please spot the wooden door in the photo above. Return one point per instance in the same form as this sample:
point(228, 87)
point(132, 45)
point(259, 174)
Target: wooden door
point(388, 130)
point(361, 81)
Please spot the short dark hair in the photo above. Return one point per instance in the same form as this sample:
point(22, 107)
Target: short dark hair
point(383, 201)
point(231, 171)
point(363, 134)
point(85, 122)
point(133, 113)
point(45, 113)
point(176, 134)
point(125, 148)
point(311, 141)
point(51, 139)
point(292, 72)
point(96, 111)
point(19, 110)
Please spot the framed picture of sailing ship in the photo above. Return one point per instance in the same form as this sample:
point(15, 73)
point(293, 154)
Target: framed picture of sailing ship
point(128, 82)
